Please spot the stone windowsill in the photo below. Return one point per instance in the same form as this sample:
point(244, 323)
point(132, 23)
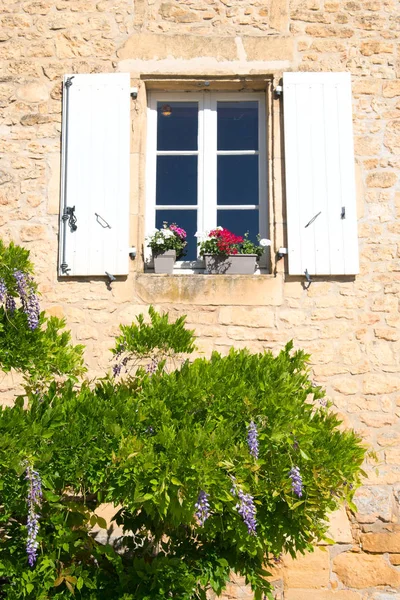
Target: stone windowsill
point(206, 290)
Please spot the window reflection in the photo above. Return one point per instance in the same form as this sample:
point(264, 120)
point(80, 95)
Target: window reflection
point(177, 125)
point(237, 179)
point(176, 181)
point(240, 221)
point(237, 125)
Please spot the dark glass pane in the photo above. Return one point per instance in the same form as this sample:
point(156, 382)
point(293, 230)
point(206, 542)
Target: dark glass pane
point(177, 125)
point(237, 180)
point(176, 180)
point(187, 219)
point(240, 221)
point(237, 125)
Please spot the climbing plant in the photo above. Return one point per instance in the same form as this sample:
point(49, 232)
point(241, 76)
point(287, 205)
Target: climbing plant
point(213, 465)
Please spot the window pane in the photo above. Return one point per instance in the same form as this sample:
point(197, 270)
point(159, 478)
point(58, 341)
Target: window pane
point(237, 180)
point(240, 221)
point(176, 180)
point(187, 219)
point(177, 125)
point(237, 125)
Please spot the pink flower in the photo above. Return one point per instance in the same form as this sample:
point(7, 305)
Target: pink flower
point(179, 231)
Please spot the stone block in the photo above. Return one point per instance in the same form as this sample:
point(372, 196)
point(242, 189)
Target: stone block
point(376, 47)
point(391, 89)
point(392, 136)
point(33, 92)
point(339, 527)
point(246, 316)
point(149, 46)
point(312, 594)
point(382, 179)
point(307, 571)
point(268, 48)
point(279, 15)
point(381, 542)
point(367, 86)
point(360, 571)
point(375, 383)
point(373, 502)
point(53, 189)
point(32, 233)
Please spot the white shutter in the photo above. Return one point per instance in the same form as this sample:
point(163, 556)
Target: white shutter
point(320, 181)
point(95, 174)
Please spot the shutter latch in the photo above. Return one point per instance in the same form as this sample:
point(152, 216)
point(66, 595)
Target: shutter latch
point(69, 215)
point(308, 278)
point(343, 213)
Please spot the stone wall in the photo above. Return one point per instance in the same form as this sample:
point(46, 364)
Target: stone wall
point(350, 327)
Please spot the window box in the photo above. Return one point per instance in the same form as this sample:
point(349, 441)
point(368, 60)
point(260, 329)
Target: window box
point(233, 264)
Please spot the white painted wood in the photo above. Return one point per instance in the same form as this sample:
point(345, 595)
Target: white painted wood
point(96, 147)
point(319, 166)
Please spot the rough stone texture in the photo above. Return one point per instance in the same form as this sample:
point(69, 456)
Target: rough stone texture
point(364, 571)
point(350, 327)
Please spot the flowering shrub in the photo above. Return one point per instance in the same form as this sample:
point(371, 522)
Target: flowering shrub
point(224, 242)
point(217, 465)
point(170, 237)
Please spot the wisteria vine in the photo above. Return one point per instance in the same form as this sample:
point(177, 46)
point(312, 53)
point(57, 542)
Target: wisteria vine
point(34, 500)
point(252, 439)
point(26, 292)
point(245, 507)
point(202, 508)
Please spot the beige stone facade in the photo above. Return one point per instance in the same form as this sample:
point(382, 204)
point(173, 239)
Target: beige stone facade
point(351, 326)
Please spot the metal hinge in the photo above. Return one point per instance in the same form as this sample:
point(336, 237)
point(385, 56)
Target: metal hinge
point(69, 215)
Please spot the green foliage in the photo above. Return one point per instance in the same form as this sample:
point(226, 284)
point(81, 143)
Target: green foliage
point(13, 258)
point(149, 444)
point(159, 340)
point(41, 354)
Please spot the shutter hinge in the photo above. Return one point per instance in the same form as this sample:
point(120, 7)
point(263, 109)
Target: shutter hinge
point(64, 268)
point(69, 215)
point(343, 213)
point(68, 81)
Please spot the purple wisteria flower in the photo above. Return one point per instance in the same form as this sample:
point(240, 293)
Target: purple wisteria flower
point(22, 283)
point(297, 482)
point(34, 500)
point(29, 301)
point(117, 369)
point(32, 311)
point(151, 368)
point(202, 508)
point(10, 304)
point(3, 290)
point(245, 507)
point(252, 439)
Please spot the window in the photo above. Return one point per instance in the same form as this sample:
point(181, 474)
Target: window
point(206, 164)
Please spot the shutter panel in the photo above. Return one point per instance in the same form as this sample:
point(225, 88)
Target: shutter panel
point(95, 174)
point(320, 181)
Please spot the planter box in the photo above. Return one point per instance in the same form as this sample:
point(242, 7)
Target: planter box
point(164, 262)
point(233, 264)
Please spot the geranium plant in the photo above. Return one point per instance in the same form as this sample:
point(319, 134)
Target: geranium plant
point(169, 237)
point(223, 242)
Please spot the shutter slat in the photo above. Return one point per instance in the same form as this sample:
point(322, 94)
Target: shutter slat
point(97, 173)
point(319, 166)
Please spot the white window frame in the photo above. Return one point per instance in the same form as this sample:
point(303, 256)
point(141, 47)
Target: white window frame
point(207, 163)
